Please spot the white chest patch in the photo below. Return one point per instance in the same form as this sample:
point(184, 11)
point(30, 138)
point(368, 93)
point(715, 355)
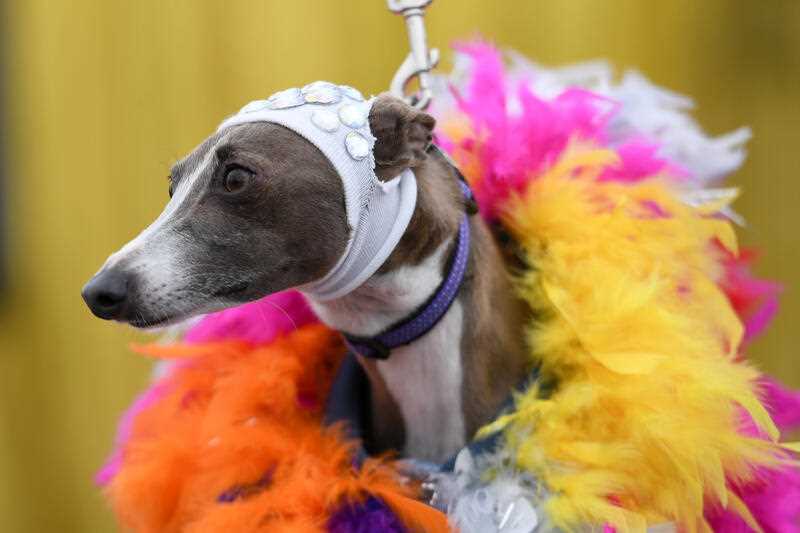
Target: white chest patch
point(424, 378)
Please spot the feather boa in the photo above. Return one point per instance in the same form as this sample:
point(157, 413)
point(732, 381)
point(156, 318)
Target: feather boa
point(645, 305)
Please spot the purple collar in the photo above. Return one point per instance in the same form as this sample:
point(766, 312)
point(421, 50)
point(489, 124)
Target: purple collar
point(425, 318)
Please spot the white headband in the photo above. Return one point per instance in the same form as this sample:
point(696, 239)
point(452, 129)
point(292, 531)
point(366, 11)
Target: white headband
point(335, 119)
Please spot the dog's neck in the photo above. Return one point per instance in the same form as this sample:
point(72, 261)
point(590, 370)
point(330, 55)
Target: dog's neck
point(430, 396)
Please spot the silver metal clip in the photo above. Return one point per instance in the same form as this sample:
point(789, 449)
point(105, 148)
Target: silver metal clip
point(419, 62)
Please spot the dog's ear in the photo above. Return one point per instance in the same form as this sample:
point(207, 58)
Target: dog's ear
point(402, 134)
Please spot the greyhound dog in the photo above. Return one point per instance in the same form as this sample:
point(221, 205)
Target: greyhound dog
point(258, 208)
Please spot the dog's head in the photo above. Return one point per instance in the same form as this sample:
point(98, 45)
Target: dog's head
point(254, 209)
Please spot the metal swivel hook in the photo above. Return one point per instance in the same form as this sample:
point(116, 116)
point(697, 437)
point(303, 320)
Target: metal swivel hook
point(419, 61)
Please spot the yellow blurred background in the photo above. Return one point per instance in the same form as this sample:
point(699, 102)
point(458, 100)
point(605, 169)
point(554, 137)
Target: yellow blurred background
point(101, 96)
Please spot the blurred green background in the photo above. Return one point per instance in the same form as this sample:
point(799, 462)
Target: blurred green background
point(101, 96)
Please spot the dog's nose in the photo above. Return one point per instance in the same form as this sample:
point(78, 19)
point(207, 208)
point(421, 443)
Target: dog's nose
point(106, 294)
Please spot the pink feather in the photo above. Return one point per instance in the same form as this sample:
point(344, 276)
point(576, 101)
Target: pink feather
point(258, 322)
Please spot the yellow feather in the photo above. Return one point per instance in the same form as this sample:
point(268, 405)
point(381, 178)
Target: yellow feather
point(634, 329)
point(792, 446)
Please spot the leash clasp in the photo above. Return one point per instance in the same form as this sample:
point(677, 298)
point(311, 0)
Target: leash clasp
point(419, 62)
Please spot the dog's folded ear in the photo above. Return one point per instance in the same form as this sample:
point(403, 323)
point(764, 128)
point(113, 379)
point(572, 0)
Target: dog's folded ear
point(402, 134)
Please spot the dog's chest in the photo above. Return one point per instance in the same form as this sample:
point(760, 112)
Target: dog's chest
point(425, 379)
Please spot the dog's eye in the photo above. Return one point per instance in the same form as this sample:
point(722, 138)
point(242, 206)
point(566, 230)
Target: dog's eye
point(236, 179)
point(171, 188)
